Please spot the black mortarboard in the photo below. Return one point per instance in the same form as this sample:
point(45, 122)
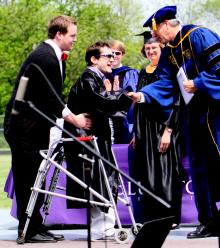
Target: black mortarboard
point(165, 13)
point(147, 35)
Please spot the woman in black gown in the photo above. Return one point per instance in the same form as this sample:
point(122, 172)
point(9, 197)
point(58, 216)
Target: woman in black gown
point(157, 153)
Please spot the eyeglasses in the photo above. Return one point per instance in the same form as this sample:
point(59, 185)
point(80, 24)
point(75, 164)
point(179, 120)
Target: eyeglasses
point(109, 56)
point(117, 53)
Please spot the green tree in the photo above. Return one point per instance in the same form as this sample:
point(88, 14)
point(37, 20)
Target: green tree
point(214, 7)
point(23, 25)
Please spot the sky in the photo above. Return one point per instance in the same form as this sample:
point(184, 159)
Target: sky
point(185, 11)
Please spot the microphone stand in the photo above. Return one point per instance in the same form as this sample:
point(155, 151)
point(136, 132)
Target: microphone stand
point(88, 206)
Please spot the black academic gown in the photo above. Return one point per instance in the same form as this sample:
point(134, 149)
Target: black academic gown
point(88, 95)
point(158, 172)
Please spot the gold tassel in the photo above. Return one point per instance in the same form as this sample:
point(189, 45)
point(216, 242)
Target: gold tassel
point(154, 25)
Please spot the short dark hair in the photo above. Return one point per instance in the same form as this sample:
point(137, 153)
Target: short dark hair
point(150, 41)
point(94, 50)
point(59, 24)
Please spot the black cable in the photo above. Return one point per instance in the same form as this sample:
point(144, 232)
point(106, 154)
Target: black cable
point(48, 81)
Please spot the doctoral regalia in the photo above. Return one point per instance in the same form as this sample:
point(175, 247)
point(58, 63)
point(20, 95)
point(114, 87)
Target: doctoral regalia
point(197, 50)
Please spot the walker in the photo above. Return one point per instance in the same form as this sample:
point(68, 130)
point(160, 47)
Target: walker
point(55, 157)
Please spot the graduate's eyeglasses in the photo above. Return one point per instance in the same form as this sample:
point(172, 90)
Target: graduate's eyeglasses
point(117, 53)
point(109, 56)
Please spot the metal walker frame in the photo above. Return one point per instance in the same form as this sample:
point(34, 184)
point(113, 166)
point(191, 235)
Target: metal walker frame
point(56, 158)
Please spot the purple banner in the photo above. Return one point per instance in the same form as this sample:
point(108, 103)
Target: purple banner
point(59, 214)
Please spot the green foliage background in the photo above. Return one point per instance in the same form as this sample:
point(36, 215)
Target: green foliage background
point(5, 161)
point(23, 25)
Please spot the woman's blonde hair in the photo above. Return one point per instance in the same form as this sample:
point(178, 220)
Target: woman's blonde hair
point(117, 44)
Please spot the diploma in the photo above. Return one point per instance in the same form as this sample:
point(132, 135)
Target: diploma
point(181, 76)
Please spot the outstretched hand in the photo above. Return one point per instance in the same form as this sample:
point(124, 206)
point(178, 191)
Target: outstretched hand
point(135, 96)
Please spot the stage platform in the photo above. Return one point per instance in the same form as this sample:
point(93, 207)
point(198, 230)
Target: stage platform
point(78, 237)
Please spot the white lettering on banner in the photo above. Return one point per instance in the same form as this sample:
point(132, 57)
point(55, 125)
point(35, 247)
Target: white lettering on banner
point(188, 187)
point(128, 187)
point(191, 193)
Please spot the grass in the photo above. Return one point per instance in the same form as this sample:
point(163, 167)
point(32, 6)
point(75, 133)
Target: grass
point(5, 164)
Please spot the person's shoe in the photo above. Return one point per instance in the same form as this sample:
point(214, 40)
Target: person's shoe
point(103, 238)
point(58, 237)
point(175, 226)
point(44, 230)
point(200, 232)
point(40, 238)
point(107, 235)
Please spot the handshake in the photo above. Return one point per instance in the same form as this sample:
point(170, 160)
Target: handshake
point(135, 96)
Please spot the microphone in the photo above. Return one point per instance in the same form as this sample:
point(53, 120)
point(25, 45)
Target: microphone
point(19, 98)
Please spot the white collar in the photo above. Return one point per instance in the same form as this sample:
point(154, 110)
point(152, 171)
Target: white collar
point(120, 65)
point(55, 47)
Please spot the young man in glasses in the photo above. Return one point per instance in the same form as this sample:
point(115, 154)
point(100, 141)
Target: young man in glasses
point(126, 78)
point(92, 93)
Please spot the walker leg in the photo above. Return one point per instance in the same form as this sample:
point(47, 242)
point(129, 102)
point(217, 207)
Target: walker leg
point(135, 226)
point(41, 176)
point(122, 236)
point(107, 185)
point(53, 185)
